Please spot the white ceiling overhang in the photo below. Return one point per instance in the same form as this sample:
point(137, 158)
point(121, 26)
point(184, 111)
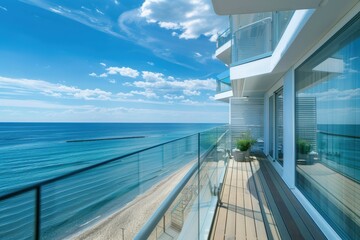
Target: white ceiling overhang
point(229, 7)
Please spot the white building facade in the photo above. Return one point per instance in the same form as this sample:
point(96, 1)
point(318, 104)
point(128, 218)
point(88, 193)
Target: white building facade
point(294, 82)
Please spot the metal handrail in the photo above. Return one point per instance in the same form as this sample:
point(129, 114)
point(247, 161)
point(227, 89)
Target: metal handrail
point(151, 224)
point(38, 186)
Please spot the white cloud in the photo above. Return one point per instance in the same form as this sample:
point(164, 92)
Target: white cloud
point(52, 89)
point(173, 97)
point(191, 18)
point(3, 8)
point(198, 54)
point(123, 71)
point(174, 34)
point(189, 102)
point(103, 64)
point(169, 25)
point(29, 103)
point(150, 63)
point(98, 11)
point(147, 93)
point(103, 75)
point(152, 76)
point(112, 81)
point(96, 21)
point(124, 95)
point(55, 10)
point(334, 95)
point(116, 2)
point(191, 93)
point(155, 80)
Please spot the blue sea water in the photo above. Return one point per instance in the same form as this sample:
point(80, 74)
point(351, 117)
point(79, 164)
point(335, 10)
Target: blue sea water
point(33, 152)
point(338, 146)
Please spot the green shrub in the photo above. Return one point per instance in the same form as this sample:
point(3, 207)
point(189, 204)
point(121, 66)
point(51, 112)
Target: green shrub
point(245, 142)
point(303, 146)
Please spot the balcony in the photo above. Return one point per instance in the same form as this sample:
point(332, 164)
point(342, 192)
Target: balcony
point(223, 46)
point(255, 36)
point(223, 38)
point(64, 206)
point(256, 204)
point(223, 88)
point(249, 200)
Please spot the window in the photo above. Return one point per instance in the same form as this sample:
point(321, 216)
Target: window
point(328, 130)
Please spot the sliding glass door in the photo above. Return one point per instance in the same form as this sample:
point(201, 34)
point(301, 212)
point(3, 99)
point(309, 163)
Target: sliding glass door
point(276, 126)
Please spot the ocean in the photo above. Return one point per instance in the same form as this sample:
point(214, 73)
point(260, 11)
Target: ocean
point(338, 146)
point(34, 152)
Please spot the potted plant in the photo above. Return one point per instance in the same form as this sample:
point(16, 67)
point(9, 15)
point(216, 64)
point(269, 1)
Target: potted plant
point(243, 146)
point(303, 150)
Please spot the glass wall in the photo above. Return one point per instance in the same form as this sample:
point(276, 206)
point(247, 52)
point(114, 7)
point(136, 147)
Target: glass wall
point(271, 126)
point(328, 130)
point(279, 126)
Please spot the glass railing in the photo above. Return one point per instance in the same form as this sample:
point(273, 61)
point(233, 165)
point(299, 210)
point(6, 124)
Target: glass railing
point(222, 86)
point(223, 82)
point(66, 205)
point(223, 38)
point(258, 39)
point(188, 211)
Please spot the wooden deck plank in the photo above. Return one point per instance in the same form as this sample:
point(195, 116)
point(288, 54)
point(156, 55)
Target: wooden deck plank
point(231, 205)
point(249, 211)
point(220, 224)
point(269, 221)
point(256, 205)
point(258, 218)
point(240, 205)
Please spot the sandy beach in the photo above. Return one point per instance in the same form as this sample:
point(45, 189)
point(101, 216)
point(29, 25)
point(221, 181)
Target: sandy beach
point(135, 214)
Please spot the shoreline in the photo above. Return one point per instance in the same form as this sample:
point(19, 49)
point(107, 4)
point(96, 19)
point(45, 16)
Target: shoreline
point(134, 214)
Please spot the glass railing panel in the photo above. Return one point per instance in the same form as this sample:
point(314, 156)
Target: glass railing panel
point(17, 217)
point(252, 41)
point(222, 87)
point(280, 22)
point(70, 204)
point(223, 82)
point(67, 205)
point(255, 36)
point(190, 214)
point(223, 38)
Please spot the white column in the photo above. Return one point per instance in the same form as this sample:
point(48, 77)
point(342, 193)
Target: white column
point(289, 129)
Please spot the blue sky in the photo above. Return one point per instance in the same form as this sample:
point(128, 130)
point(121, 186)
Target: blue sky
point(109, 61)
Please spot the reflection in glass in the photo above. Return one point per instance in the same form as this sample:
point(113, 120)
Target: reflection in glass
point(279, 126)
point(328, 131)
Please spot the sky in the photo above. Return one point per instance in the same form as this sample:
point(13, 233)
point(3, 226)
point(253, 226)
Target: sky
point(109, 61)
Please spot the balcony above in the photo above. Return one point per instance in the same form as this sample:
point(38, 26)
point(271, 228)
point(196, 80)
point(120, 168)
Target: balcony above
point(230, 7)
point(255, 36)
point(223, 47)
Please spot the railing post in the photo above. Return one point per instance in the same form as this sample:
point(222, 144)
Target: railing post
point(164, 223)
point(198, 173)
point(37, 227)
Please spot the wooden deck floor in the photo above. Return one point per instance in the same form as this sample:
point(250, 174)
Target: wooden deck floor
point(256, 204)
